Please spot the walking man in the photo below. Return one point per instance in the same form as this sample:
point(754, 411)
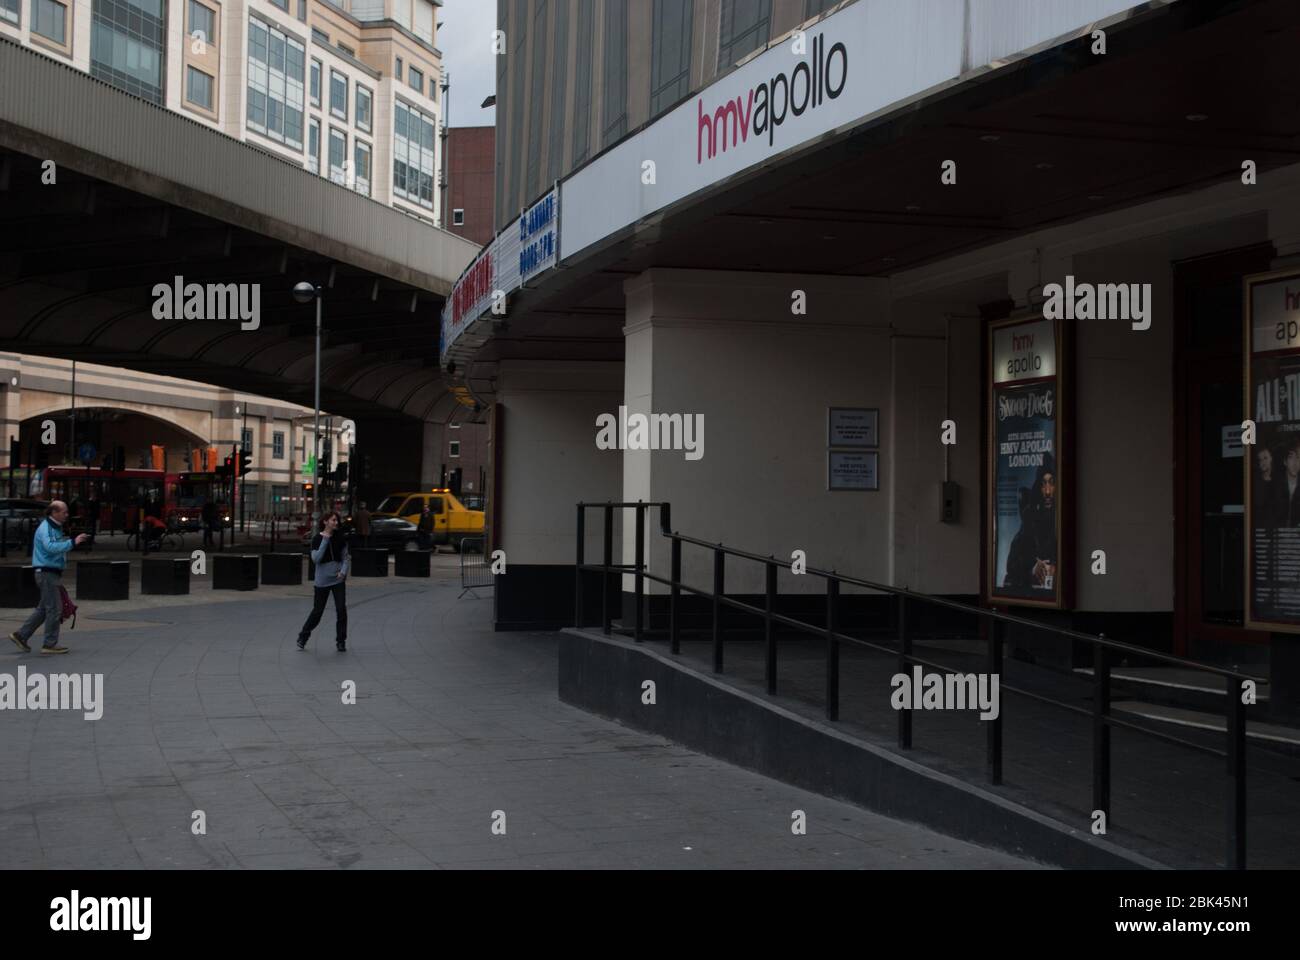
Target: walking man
point(49, 556)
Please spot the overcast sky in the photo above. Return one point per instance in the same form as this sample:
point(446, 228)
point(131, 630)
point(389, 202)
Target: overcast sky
point(466, 44)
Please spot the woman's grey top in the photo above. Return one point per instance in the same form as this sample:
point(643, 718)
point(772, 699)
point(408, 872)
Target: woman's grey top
point(327, 564)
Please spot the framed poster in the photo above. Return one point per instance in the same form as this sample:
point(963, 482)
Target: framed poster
point(1025, 563)
point(853, 427)
point(853, 470)
point(1272, 463)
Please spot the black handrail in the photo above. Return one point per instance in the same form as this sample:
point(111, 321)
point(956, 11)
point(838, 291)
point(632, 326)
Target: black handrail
point(1103, 650)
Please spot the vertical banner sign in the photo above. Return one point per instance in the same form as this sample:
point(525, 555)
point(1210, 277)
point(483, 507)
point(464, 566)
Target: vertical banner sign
point(1024, 523)
point(1272, 463)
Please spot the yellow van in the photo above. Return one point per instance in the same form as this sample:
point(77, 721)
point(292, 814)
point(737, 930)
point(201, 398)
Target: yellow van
point(453, 522)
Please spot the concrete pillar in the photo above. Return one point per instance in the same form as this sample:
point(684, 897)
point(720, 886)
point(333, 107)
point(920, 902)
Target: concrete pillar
point(546, 456)
point(735, 350)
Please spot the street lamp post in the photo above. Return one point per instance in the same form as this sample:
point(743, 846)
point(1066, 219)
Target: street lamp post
point(243, 484)
point(304, 292)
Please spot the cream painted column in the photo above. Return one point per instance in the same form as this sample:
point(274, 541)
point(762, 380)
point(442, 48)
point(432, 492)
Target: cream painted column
point(727, 349)
point(549, 459)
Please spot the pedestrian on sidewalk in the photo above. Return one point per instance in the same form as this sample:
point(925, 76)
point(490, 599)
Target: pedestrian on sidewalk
point(424, 529)
point(329, 551)
point(49, 556)
point(363, 524)
point(209, 514)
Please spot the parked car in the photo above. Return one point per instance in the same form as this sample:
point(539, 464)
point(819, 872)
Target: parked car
point(386, 533)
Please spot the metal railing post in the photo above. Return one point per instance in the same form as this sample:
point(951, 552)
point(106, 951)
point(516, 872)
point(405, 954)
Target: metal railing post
point(995, 724)
point(604, 574)
point(1101, 730)
point(719, 558)
point(904, 667)
point(674, 640)
point(832, 651)
point(577, 569)
point(769, 633)
point(638, 577)
point(1236, 807)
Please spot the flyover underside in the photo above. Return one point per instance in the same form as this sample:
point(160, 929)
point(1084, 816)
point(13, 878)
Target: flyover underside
point(80, 260)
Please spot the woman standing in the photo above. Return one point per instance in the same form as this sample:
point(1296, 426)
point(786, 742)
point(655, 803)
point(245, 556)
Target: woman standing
point(330, 554)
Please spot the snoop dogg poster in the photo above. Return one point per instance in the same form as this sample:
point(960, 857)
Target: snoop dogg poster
point(1024, 517)
point(1272, 463)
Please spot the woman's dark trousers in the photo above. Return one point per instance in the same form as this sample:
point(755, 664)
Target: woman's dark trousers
point(340, 609)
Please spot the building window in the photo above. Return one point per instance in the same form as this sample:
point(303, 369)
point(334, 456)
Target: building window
point(670, 51)
point(50, 20)
point(315, 82)
point(344, 48)
point(320, 36)
point(203, 23)
point(338, 95)
point(413, 155)
point(614, 123)
point(10, 10)
point(746, 25)
point(282, 4)
point(361, 167)
point(582, 82)
point(277, 445)
point(815, 7)
point(363, 108)
point(313, 145)
point(246, 440)
point(458, 217)
point(276, 64)
point(453, 448)
point(198, 88)
point(416, 79)
point(127, 46)
point(397, 70)
point(338, 155)
point(302, 10)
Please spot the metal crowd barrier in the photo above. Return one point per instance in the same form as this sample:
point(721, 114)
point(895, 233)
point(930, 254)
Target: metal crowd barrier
point(475, 568)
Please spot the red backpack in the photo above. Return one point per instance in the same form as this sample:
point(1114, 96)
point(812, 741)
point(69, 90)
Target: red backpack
point(69, 608)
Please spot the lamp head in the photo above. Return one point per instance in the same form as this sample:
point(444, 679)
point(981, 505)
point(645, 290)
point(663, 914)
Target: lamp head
point(304, 292)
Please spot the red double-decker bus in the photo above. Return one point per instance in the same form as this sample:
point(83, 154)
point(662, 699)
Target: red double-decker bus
point(119, 496)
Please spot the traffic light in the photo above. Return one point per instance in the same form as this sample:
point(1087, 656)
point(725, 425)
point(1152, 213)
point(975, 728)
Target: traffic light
point(307, 487)
point(245, 461)
point(226, 468)
point(341, 473)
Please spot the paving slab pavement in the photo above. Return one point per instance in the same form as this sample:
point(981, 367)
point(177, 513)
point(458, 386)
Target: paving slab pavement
point(209, 706)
